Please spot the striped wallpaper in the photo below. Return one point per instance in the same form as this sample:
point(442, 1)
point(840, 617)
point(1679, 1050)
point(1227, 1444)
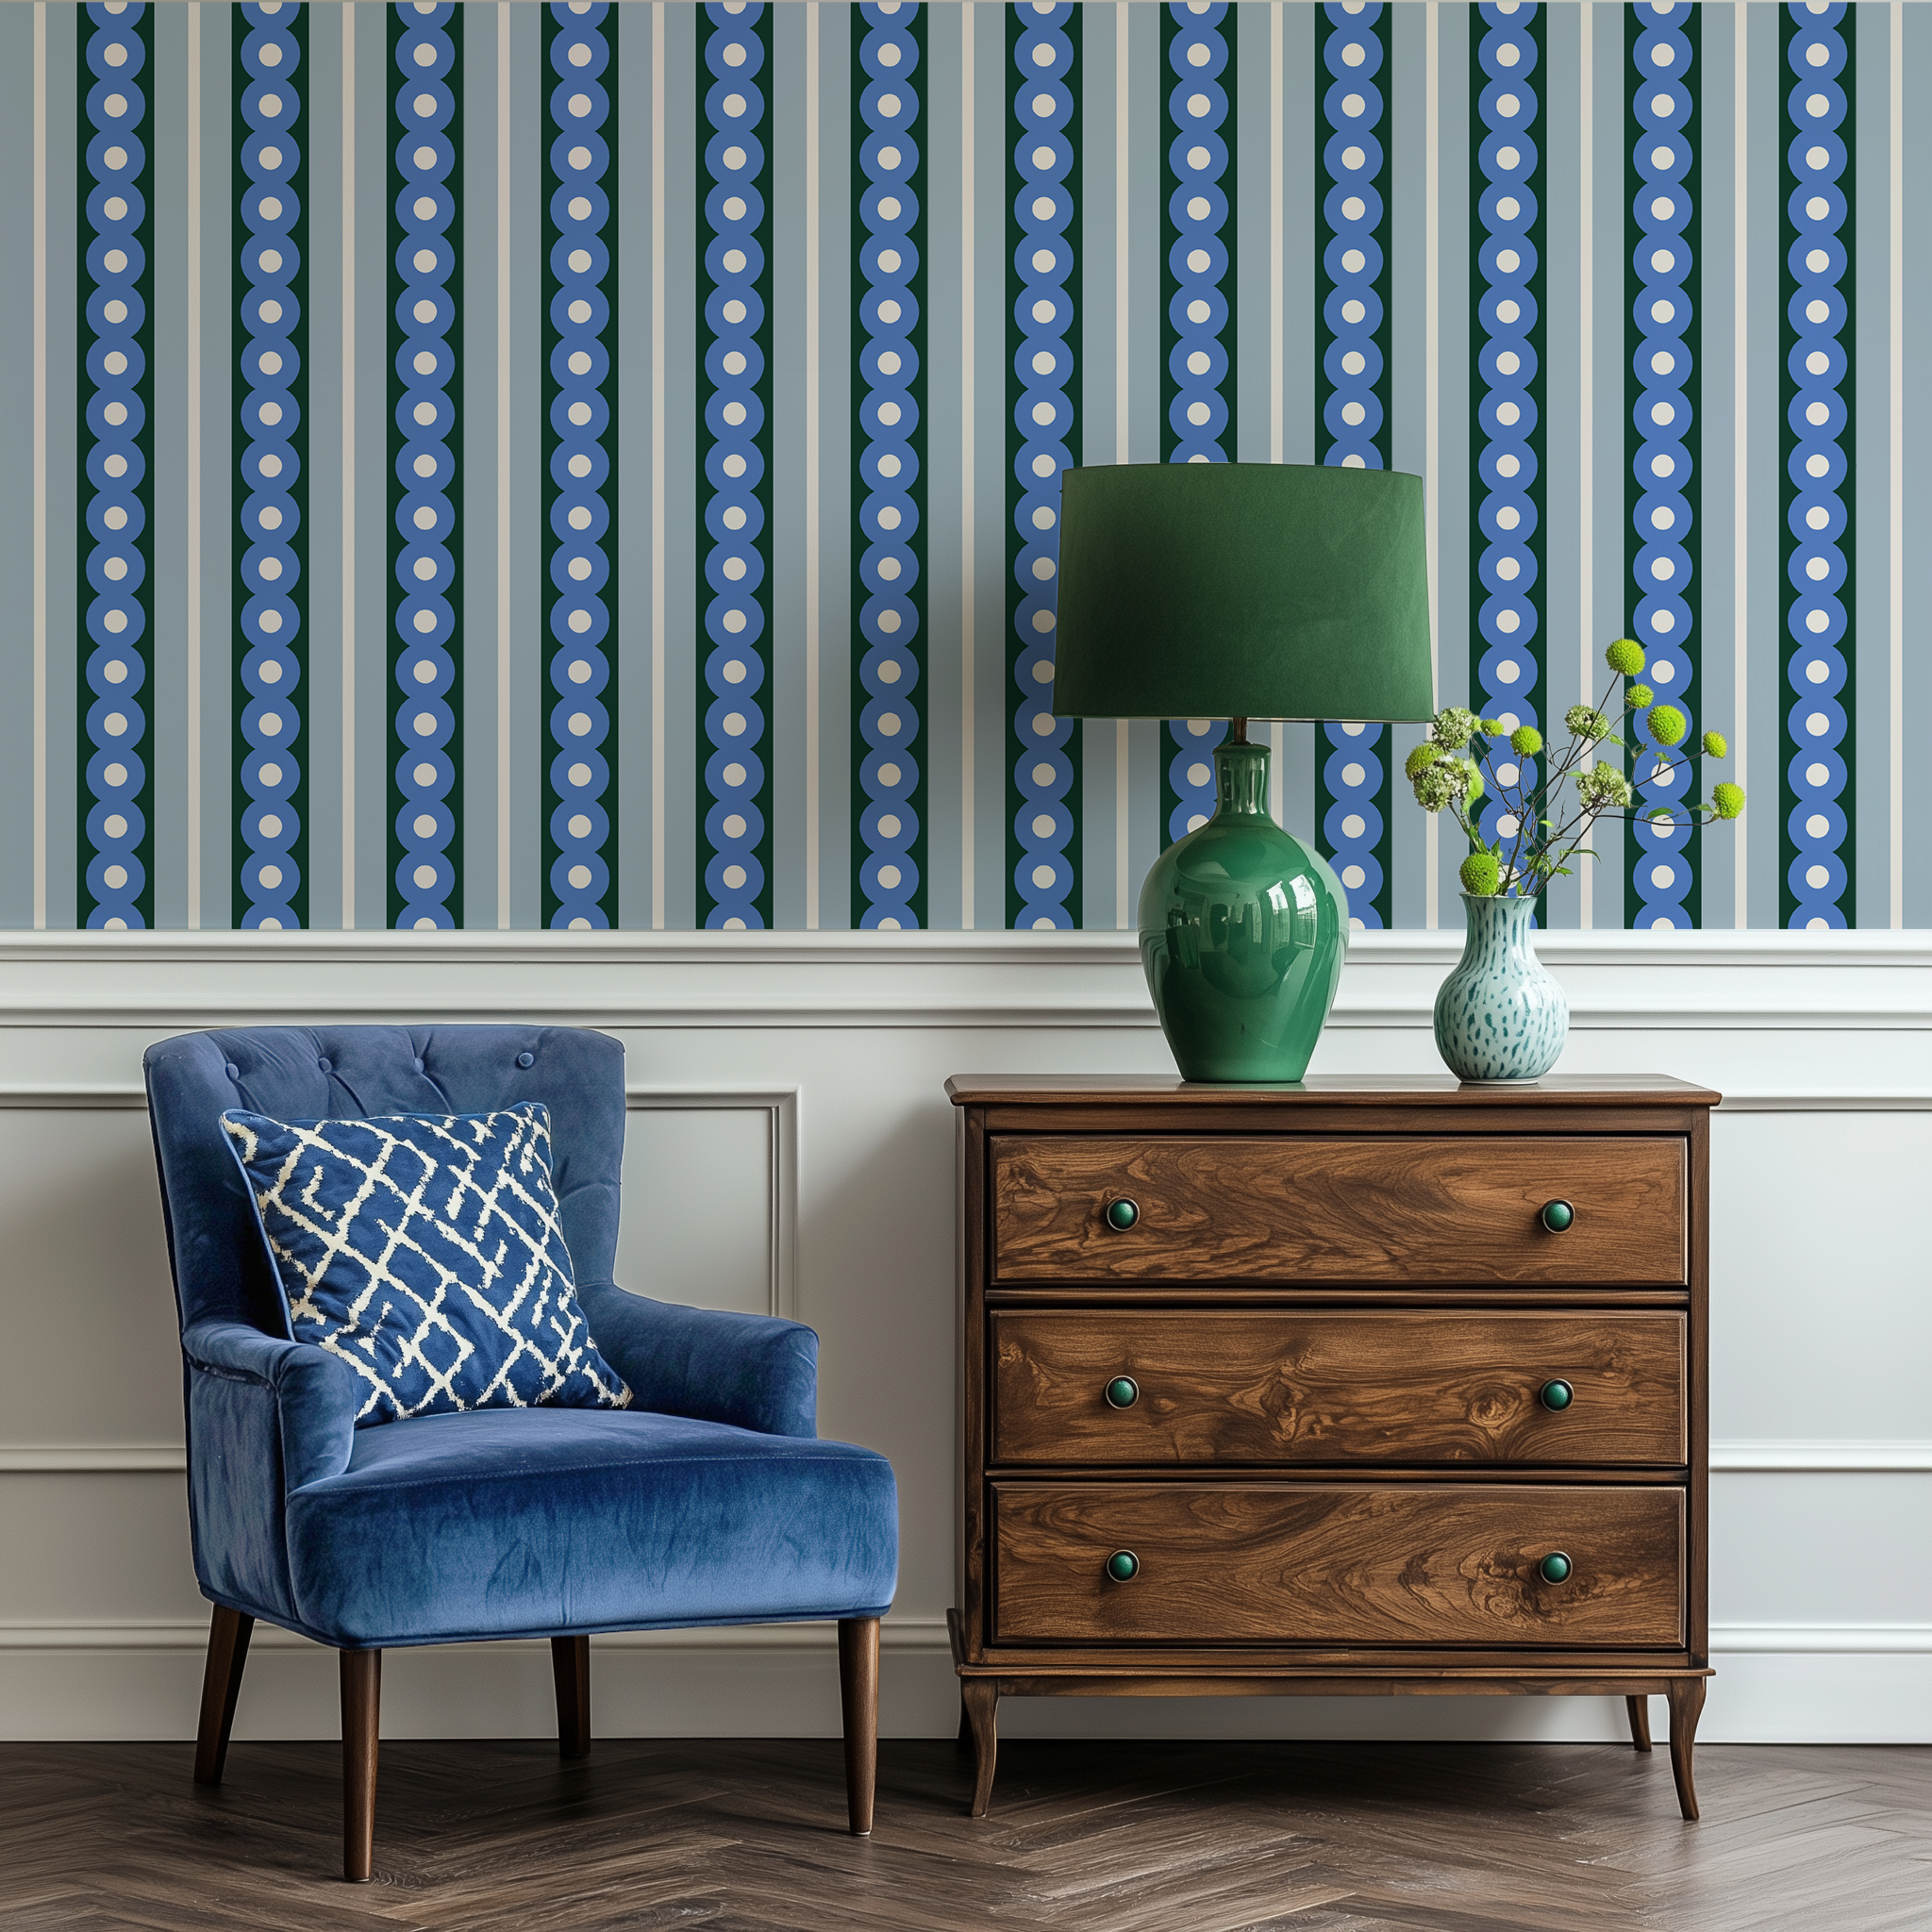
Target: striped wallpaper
point(514, 465)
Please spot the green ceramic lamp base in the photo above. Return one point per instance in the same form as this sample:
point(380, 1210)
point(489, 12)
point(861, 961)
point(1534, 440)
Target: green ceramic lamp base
point(1243, 929)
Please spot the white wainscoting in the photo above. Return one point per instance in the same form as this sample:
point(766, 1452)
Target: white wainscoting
point(790, 1150)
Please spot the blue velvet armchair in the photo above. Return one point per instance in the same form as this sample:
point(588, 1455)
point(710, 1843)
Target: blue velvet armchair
point(709, 1501)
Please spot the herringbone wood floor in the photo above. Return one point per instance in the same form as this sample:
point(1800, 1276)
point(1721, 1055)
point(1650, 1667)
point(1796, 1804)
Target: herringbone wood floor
point(1089, 1838)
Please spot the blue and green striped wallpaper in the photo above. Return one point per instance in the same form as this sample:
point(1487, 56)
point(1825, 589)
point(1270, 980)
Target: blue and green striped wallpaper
point(586, 465)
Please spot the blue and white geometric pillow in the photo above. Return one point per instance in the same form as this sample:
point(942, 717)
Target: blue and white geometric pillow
point(424, 1251)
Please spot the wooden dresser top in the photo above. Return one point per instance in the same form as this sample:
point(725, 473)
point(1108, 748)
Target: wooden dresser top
point(1362, 1089)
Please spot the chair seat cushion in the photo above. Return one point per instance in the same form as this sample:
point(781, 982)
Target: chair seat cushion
point(424, 1251)
point(506, 1523)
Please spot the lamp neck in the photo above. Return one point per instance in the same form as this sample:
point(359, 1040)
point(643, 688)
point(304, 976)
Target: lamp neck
point(1241, 776)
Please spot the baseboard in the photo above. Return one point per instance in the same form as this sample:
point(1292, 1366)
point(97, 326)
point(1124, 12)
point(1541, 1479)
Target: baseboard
point(1838, 1684)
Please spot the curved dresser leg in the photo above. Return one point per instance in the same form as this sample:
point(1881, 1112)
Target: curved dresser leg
point(1687, 1702)
point(1640, 1722)
point(981, 1698)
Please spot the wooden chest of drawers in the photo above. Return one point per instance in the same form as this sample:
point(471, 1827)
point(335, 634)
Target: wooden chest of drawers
point(1354, 1387)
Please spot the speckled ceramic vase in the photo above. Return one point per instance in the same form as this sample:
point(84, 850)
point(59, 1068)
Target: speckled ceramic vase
point(1499, 1015)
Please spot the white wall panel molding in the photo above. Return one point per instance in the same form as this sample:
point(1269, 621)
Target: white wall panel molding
point(1869, 981)
point(1800, 1458)
point(898, 1636)
point(1796, 1457)
point(91, 1458)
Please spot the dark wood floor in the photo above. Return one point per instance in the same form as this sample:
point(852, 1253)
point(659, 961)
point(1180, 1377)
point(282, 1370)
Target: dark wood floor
point(1093, 1838)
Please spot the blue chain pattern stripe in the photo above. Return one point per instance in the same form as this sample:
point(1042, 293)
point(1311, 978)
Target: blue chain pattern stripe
point(272, 539)
point(1197, 334)
point(889, 486)
point(1043, 47)
point(1817, 887)
point(1353, 794)
point(116, 492)
point(1507, 653)
point(734, 455)
point(578, 482)
point(1660, 889)
point(425, 588)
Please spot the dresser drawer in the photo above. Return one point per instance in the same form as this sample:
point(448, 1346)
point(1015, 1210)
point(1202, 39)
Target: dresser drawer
point(1386, 1211)
point(1276, 1386)
point(1325, 1564)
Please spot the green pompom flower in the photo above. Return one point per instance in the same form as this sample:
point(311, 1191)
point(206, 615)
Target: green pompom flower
point(1583, 721)
point(1526, 740)
point(1624, 656)
point(1727, 801)
point(1714, 745)
point(1491, 727)
point(1638, 695)
point(1453, 728)
point(1420, 760)
point(1604, 788)
point(1666, 723)
point(1481, 874)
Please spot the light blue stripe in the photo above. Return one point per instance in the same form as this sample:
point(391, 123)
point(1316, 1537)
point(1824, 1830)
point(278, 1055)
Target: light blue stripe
point(1300, 150)
point(1608, 271)
point(833, 477)
point(1916, 413)
point(323, 74)
point(681, 626)
point(16, 467)
point(476, 218)
point(945, 339)
point(1869, 28)
point(1716, 702)
point(63, 329)
point(168, 707)
point(790, 478)
point(1247, 31)
point(1406, 186)
point(1148, 82)
point(371, 464)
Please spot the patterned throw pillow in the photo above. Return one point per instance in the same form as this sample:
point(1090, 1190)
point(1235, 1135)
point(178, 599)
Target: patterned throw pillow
point(423, 1250)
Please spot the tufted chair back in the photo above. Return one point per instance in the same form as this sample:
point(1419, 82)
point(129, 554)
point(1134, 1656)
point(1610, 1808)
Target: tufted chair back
point(222, 1269)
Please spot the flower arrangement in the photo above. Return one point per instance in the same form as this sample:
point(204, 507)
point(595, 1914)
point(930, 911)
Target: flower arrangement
point(1456, 766)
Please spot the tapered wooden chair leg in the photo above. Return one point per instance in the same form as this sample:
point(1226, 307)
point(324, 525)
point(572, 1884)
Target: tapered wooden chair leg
point(1640, 1722)
point(221, 1685)
point(859, 1694)
point(1686, 1703)
point(570, 1663)
point(361, 1711)
point(981, 1697)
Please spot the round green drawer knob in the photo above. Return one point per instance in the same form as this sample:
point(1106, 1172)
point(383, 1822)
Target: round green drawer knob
point(1124, 1566)
point(1122, 1214)
point(1555, 1568)
point(1557, 1395)
point(1557, 1216)
point(1123, 1393)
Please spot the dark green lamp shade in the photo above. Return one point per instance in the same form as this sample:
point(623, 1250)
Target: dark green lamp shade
point(1242, 590)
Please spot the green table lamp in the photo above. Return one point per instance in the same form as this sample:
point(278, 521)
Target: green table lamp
point(1242, 590)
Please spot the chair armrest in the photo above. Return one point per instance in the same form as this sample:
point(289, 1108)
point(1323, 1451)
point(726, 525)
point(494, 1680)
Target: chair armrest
point(314, 1396)
point(753, 1371)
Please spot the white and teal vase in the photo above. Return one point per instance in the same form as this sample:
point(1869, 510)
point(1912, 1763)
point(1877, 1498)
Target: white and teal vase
point(1499, 1015)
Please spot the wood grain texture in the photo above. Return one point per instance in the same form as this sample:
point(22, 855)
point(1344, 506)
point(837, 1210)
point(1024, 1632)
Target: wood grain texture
point(228, 1632)
point(361, 1687)
point(1422, 1209)
point(1322, 1387)
point(1338, 1563)
point(748, 1836)
point(859, 1703)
